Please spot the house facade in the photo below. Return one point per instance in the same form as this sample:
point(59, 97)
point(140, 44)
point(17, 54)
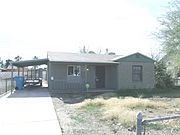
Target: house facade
point(69, 71)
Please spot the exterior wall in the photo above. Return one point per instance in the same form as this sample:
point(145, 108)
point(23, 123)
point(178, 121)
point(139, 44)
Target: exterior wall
point(116, 77)
point(58, 80)
point(62, 82)
point(125, 75)
point(91, 77)
point(111, 77)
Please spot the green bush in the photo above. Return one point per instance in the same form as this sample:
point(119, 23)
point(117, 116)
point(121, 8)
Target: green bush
point(162, 77)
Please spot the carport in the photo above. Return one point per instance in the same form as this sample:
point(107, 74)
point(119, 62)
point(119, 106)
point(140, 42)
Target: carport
point(21, 66)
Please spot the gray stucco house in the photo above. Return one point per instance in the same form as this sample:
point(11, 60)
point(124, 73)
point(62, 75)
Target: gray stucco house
point(70, 71)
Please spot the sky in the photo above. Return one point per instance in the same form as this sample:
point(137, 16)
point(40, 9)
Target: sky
point(32, 27)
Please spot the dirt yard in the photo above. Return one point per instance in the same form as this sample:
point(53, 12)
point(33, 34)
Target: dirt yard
point(109, 114)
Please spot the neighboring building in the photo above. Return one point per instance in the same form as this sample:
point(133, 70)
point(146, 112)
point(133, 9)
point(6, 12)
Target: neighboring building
point(2, 69)
point(69, 71)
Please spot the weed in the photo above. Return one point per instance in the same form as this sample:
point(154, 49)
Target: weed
point(91, 104)
point(122, 110)
point(155, 126)
point(78, 118)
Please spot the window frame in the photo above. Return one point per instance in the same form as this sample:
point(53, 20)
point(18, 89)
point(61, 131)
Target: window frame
point(74, 67)
point(136, 73)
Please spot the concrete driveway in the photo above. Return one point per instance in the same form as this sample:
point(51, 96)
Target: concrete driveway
point(28, 112)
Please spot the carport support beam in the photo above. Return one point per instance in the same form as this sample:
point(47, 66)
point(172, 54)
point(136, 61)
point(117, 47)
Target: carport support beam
point(11, 78)
point(23, 75)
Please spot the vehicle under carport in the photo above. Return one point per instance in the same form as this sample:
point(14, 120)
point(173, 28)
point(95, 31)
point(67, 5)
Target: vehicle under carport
point(33, 76)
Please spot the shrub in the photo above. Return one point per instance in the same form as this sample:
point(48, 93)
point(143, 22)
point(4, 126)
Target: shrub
point(162, 78)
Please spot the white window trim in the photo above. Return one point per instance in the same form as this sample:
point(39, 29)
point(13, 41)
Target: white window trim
point(74, 70)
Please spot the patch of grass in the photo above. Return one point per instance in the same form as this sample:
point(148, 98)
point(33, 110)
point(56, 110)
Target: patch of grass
point(154, 125)
point(136, 103)
point(122, 110)
point(173, 123)
point(122, 115)
point(168, 124)
point(135, 92)
point(78, 118)
point(125, 110)
point(91, 104)
point(146, 93)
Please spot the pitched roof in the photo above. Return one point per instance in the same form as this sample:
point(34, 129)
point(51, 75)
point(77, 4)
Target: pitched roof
point(135, 57)
point(82, 58)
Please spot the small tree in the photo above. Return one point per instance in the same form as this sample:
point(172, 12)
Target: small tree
point(169, 33)
point(162, 77)
point(8, 62)
point(35, 58)
point(17, 58)
point(1, 63)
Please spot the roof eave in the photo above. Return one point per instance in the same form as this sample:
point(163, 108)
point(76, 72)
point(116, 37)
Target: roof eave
point(26, 63)
point(84, 62)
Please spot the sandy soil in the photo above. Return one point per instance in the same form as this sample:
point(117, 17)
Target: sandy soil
point(79, 122)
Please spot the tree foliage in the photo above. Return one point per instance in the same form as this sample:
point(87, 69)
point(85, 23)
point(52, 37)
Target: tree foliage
point(84, 49)
point(35, 58)
point(8, 63)
point(169, 32)
point(1, 63)
point(17, 58)
point(163, 79)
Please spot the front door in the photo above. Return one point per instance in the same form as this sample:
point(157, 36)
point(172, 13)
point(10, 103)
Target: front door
point(100, 77)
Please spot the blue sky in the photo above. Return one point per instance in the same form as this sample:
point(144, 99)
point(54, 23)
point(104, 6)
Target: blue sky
point(29, 28)
point(154, 7)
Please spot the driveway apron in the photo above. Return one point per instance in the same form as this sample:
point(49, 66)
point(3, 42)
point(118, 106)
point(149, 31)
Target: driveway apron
point(28, 112)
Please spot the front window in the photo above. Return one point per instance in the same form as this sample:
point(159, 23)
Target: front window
point(137, 73)
point(70, 70)
point(73, 71)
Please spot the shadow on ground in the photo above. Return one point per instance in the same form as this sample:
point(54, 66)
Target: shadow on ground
point(72, 98)
point(30, 91)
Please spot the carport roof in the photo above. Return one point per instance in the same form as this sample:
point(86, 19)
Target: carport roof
point(26, 63)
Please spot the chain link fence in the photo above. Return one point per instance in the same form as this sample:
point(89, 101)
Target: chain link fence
point(6, 83)
point(169, 125)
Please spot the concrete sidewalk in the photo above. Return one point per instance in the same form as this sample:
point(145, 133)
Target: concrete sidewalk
point(28, 112)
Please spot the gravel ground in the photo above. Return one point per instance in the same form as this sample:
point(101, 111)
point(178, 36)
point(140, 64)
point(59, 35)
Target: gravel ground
point(75, 121)
point(79, 122)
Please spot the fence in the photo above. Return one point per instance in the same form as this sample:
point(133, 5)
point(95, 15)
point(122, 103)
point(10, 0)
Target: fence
point(6, 84)
point(169, 125)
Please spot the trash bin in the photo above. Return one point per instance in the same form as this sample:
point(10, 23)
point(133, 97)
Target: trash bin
point(19, 82)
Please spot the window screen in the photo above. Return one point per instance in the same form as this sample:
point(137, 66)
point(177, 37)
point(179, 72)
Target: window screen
point(137, 73)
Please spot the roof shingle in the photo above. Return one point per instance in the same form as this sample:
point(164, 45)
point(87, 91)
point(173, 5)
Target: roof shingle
point(82, 58)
